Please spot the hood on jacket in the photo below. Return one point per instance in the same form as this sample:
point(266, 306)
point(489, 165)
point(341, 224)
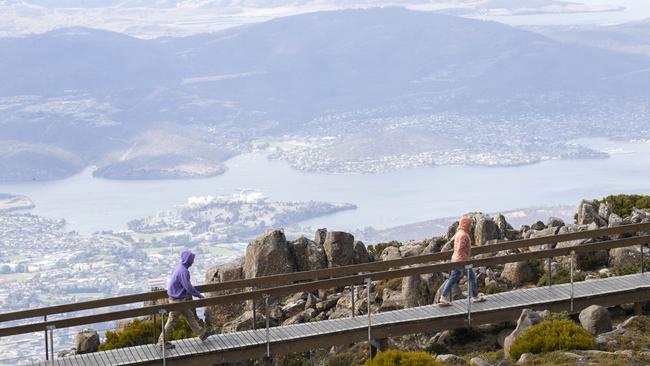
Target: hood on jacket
point(465, 223)
point(187, 258)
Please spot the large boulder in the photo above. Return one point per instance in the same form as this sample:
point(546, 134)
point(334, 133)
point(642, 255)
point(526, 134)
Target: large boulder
point(433, 281)
point(502, 225)
point(339, 248)
point(604, 210)
point(411, 249)
point(320, 235)
point(391, 300)
point(485, 229)
point(588, 213)
point(217, 315)
point(301, 317)
point(245, 322)
point(614, 221)
point(517, 273)
point(583, 261)
point(361, 254)
point(555, 222)
point(451, 230)
point(415, 292)
point(639, 216)
point(450, 359)
point(308, 255)
point(344, 304)
point(87, 341)
point(619, 257)
point(550, 231)
point(390, 253)
point(269, 254)
point(596, 319)
point(527, 319)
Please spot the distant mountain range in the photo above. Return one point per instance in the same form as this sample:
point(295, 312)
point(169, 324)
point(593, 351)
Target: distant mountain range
point(178, 107)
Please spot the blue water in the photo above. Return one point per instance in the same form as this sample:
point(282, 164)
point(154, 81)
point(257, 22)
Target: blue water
point(384, 200)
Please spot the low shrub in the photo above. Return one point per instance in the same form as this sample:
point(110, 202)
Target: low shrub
point(622, 204)
point(400, 358)
point(139, 332)
point(631, 267)
point(342, 359)
point(394, 284)
point(562, 275)
point(552, 335)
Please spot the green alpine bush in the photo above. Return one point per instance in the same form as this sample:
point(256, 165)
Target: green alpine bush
point(552, 335)
point(139, 332)
point(400, 358)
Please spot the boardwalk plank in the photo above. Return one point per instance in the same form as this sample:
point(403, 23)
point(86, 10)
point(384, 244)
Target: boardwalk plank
point(242, 340)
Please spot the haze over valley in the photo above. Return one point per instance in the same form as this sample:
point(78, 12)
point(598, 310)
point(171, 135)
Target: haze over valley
point(401, 88)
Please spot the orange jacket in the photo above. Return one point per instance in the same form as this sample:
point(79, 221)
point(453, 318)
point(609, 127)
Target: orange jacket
point(462, 242)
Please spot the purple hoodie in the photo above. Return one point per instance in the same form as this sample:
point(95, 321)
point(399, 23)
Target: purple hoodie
point(180, 286)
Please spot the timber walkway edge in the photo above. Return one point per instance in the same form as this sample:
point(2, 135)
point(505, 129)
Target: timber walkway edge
point(238, 346)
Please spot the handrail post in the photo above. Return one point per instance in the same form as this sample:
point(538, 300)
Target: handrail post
point(162, 313)
point(469, 296)
point(642, 259)
point(268, 332)
point(368, 284)
point(353, 307)
point(51, 329)
point(47, 347)
point(254, 315)
point(573, 257)
point(550, 272)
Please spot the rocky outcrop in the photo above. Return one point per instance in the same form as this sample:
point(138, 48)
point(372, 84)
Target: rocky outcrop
point(267, 255)
point(555, 222)
point(217, 315)
point(450, 359)
point(339, 248)
point(583, 261)
point(619, 257)
point(502, 224)
point(390, 253)
point(596, 319)
point(245, 322)
point(527, 319)
point(302, 317)
point(361, 254)
point(588, 213)
point(411, 249)
point(485, 229)
point(87, 341)
point(320, 235)
point(517, 273)
point(550, 231)
point(451, 230)
point(308, 255)
point(391, 300)
point(605, 210)
point(415, 292)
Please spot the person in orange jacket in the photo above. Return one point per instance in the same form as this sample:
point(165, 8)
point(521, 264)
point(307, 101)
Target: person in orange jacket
point(462, 252)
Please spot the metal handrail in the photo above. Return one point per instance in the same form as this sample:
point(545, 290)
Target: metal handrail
point(324, 284)
point(274, 280)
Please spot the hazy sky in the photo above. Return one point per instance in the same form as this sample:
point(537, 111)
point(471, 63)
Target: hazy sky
point(154, 18)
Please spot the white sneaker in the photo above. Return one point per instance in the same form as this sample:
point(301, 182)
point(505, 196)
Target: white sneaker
point(443, 302)
point(479, 298)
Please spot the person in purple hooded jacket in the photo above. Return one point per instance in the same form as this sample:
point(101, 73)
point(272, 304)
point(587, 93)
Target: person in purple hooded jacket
point(180, 289)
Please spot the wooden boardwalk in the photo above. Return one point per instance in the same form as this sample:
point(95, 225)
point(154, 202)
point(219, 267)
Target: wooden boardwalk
point(239, 346)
